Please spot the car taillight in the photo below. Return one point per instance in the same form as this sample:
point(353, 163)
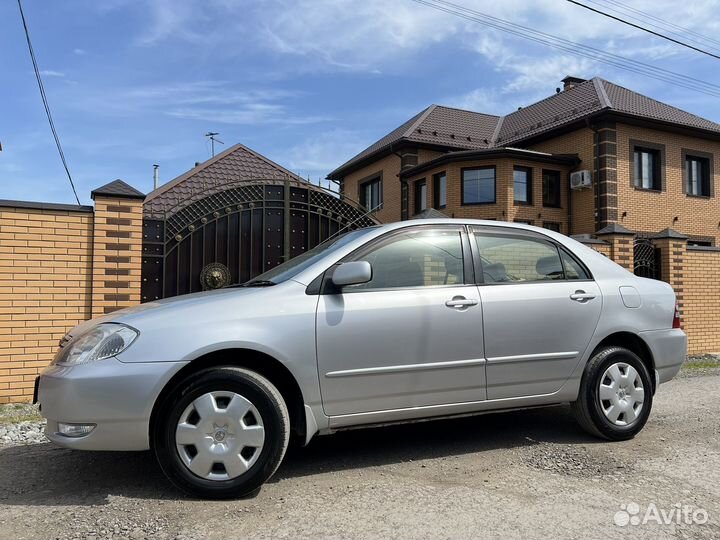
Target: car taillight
point(676, 317)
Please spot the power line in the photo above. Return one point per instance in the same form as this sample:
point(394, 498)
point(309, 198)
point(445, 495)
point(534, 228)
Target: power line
point(574, 48)
point(43, 96)
point(639, 27)
point(662, 23)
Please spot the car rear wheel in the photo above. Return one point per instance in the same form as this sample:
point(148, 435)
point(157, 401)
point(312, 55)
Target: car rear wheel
point(222, 433)
point(615, 395)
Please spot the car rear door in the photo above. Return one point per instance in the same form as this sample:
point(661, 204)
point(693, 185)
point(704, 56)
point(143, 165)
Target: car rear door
point(540, 310)
point(412, 336)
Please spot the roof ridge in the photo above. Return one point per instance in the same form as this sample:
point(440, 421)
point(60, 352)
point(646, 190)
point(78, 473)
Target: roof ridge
point(202, 166)
point(496, 132)
point(269, 161)
point(602, 94)
point(469, 111)
point(420, 119)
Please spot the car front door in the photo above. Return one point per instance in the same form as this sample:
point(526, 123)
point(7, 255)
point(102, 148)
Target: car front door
point(540, 310)
point(412, 335)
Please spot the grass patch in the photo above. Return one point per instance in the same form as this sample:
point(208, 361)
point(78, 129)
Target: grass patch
point(700, 364)
point(14, 413)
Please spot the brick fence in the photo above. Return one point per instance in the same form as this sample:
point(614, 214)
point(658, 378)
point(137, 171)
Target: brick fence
point(59, 266)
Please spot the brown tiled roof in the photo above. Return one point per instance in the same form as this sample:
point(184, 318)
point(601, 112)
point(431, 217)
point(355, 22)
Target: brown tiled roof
point(235, 164)
point(549, 113)
point(437, 124)
point(118, 188)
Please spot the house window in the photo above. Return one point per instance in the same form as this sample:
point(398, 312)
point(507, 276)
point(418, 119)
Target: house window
point(551, 226)
point(646, 167)
point(371, 194)
point(420, 196)
point(478, 185)
point(551, 188)
point(522, 185)
point(697, 176)
point(440, 190)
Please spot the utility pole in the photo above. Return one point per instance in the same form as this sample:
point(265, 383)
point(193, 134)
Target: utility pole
point(211, 135)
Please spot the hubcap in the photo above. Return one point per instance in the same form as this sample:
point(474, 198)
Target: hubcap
point(621, 394)
point(219, 435)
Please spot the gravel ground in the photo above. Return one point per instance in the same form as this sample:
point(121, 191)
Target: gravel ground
point(514, 475)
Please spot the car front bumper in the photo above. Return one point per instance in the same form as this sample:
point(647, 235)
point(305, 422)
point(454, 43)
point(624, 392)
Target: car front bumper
point(116, 397)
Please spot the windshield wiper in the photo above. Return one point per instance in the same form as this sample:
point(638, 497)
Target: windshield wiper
point(259, 283)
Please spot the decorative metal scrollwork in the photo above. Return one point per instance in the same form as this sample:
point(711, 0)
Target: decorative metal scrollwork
point(214, 276)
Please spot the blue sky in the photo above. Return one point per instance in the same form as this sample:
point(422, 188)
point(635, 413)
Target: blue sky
point(308, 83)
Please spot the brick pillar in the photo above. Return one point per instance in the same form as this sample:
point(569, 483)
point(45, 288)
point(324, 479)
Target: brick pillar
point(621, 244)
point(673, 246)
point(601, 246)
point(606, 167)
point(117, 247)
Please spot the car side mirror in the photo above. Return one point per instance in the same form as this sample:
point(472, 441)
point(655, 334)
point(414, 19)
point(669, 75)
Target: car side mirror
point(352, 273)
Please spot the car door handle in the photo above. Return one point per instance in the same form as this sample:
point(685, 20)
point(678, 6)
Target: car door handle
point(581, 296)
point(460, 302)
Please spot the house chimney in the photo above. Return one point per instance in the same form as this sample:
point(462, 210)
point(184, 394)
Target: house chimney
point(156, 176)
point(571, 82)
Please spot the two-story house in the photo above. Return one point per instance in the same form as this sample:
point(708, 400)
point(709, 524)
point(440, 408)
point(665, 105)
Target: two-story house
point(651, 166)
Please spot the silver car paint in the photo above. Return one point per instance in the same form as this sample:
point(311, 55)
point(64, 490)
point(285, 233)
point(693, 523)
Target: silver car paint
point(280, 321)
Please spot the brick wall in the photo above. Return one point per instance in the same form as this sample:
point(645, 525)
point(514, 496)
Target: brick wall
point(504, 209)
point(61, 265)
point(389, 168)
point(45, 274)
point(580, 142)
point(701, 300)
point(117, 251)
point(654, 211)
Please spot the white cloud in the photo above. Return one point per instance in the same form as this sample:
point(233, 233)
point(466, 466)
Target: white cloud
point(79, 52)
point(51, 73)
point(321, 152)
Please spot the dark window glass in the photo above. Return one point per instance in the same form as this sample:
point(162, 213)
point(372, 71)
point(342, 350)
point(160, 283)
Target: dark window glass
point(371, 194)
point(551, 225)
point(415, 259)
point(513, 259)
point(440, 190)
point(420, 196)
point(522, 185)
point(697, 175)
point(478, 186)
point(551, 188)
point(646, 164)
point(573, 270)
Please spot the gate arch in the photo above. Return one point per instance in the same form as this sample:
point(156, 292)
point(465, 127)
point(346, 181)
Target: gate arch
point(248, 227)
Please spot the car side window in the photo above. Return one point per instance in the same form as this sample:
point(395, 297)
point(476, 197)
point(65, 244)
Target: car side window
point(421, 258)
point(508, 259)
point(573, 270)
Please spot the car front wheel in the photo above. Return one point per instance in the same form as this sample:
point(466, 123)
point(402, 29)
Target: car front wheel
point(615, 395)
point(222, 433)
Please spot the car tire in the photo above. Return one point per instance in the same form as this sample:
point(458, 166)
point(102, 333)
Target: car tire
point(615, 395)
point(221, 433)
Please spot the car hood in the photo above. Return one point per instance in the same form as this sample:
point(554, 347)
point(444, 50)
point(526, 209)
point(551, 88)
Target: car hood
point(169, 307)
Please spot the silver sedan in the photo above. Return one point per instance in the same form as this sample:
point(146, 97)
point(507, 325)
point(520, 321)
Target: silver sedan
point(408, 321)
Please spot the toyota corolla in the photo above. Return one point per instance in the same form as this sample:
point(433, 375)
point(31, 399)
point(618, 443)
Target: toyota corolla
point(407, 321)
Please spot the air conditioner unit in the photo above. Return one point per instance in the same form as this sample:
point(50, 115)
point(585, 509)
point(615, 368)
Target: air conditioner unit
point(580, 180)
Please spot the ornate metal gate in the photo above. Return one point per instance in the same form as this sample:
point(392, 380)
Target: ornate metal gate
point(220, 237)
point(646, 258)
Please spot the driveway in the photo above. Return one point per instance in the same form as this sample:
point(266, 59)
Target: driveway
point(513, 475)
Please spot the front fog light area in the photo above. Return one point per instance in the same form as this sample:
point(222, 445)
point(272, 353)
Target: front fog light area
point(75, 430)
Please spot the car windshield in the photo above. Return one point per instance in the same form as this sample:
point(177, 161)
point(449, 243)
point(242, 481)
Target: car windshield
point(294, 266)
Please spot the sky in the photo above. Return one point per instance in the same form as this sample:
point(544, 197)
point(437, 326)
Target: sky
point(307, 83)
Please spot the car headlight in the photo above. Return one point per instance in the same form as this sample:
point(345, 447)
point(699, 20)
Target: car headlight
point(103, 341)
